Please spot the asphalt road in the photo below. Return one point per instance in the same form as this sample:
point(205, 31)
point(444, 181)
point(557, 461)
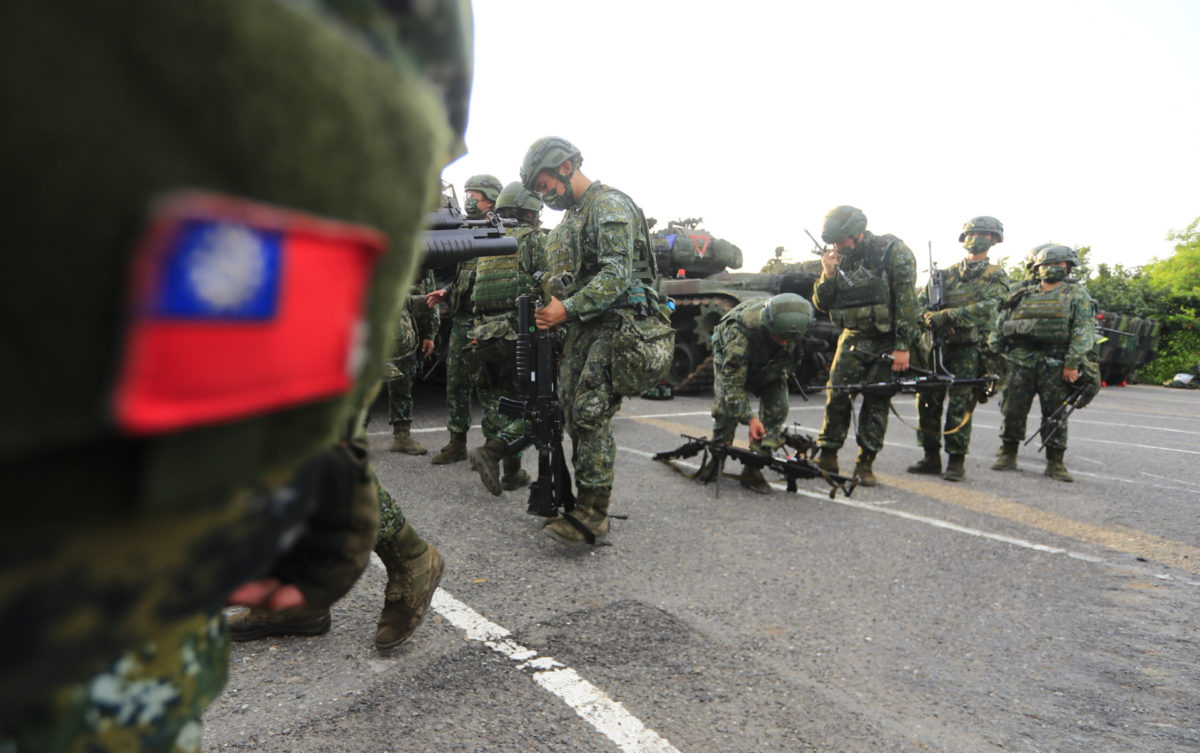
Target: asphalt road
point(1009, 612)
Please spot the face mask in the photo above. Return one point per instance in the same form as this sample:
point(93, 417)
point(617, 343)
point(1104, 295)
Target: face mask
point(977, 244)
point(473, 212)
point(561, 201)
point(1050, 273)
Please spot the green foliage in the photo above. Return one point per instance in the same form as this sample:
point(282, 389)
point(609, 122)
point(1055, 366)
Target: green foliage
point(1178, 351)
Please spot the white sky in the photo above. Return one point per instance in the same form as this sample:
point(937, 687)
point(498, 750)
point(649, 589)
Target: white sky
point(1072, 122)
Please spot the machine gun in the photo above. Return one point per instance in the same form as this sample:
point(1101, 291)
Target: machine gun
point(537, 373)
point(794, 466)
point(1057, 420)
point(450, 238)
point(937, 301)
point(928, 381)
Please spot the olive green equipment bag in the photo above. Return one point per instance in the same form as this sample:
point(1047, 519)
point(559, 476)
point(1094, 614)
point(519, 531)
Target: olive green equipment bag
point(642, 348)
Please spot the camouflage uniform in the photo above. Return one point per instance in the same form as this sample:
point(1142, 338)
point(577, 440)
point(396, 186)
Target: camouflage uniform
point(1040, 334)
point(459, 380)
point(974, 289)
point(876, 304)
point(417, 322)
point(746, 359)
point(127, 541)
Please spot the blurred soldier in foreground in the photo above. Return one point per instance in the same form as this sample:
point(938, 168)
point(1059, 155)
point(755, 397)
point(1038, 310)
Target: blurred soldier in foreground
point(619, 339)
point(481, 192)
point(757, 346)
point(415, 332)
point(973, 290)
point(867, 287)
point(492, 339)
point(179, 416)
point(1046, 331)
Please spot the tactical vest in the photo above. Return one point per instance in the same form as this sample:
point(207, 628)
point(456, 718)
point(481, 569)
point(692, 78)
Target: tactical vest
point(640, 292)
point(865, 302)
point(500, 279)
point(960, 293)
point(768, 360)
point(1041, 319)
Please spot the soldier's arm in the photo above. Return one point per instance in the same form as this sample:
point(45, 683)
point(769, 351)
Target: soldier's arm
point(735, 370)
point(825, 293)
point(616, 224)
point(904, 296)
point(1083, 328)
point(982, 313)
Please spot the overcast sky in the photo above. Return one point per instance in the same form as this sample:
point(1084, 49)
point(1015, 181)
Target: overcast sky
point(1071, 122)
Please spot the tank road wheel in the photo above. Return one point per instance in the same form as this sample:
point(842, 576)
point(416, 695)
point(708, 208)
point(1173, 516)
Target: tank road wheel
point(688, 358)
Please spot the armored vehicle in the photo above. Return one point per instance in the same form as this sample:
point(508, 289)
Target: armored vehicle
point(1130, 343)
point(693, 267)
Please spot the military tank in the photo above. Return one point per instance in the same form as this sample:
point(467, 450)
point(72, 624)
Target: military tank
point(693, 267)
point(1129, 343)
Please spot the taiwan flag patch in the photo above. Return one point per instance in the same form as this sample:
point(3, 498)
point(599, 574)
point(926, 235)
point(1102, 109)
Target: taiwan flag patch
point(239, 308)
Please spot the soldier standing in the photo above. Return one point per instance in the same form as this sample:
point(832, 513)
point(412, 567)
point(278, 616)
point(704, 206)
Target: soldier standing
point(757, 346)
point(867, 287)
point(415, 331)
point(974, 289)
point(619, 340)
point(1046, 331)
point(491, 348)
point(481, 192)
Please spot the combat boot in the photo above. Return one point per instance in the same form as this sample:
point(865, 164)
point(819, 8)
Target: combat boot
point(410, 586)
point(752, 479)
point(454, 451)
point(862, 468)
point(955, 470)
point(591, 509)
point(1054, 465)
point(485, 459)
point(1006, 459)
point(827, 461)
point(514, 475)
point(931, 464)
point(402, 442)
point(263, 623)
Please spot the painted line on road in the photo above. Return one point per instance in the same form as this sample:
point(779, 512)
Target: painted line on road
point(585, 699)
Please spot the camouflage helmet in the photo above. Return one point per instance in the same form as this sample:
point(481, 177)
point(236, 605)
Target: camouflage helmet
point(787, 315)
point(982, 224)
point(516, 196)
point(843, 222)
point(1049, 253)
point(547, 153)
point(488, 185)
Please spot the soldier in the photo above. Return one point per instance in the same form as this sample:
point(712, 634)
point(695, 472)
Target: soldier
point(974, 289)
point(481, 192)
point(757, 346)
point(188, 446)
point(1046, 331)
point(491, 347)
point(619, 341)
point(867, 287)
point(414, 336)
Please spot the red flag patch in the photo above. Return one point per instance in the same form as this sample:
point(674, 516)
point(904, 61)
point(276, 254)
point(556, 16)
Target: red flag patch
point(238, 309)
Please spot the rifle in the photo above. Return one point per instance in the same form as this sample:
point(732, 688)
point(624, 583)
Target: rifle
point(795, 466)
point(537, 373)
point(928, 381)
point(819, 250)
point(937, 302)
point(1057, 420)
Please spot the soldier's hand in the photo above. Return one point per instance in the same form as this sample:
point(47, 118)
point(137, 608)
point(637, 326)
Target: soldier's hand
point(899, 360)
point(830, 261)
point(268, 593)
point(757, 430)
point(426, 348)
point(937, 319)
point(434, 298)
point(550, 315)
point(1070, 374)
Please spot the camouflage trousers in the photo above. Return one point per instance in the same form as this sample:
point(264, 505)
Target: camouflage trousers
point(1044, 379)
point(399, 389)
point(589, 400)
point(963, 361)
point(772, 410)
point(149, 699)
point(493, 364)
point(851, 367)
point(459, 381)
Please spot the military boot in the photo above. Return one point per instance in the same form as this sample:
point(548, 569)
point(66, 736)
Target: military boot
point(454, 451)
point(514, 475)
point(827, 461)
point(930, 464)
point(862, 468)
point(1006, 459)
point(591, 509)
point(410, 586)
point(402, 442)
point(263, 623)
point(752, 479)
point(955, 471)
point(485, 459)
point(1054, 465)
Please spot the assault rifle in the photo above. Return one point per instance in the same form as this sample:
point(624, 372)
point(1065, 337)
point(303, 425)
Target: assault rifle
point(792, 466)
point(537, 373)
point(1057, 420)
point(928, 381)
point(937, 301)
point(450, 238)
